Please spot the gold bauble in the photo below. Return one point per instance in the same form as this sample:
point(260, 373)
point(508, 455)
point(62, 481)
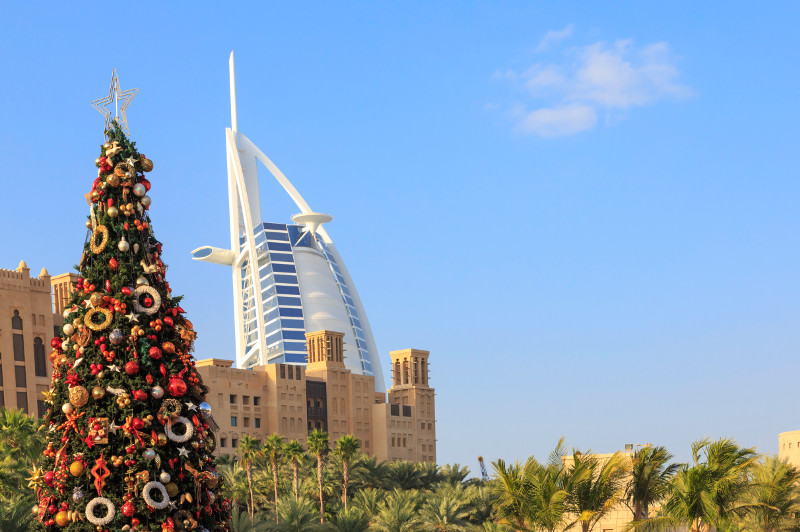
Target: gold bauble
point(98, 162)
point(98, 393)
point(62, 518)
point(76, 469)
point(95, 195)
point(107, 146)
point(88, 224)
point(113, 180)
point(77, 323)
point(78, 396)
point(162, 440)
point(113, 212)
point(172, 489)
point(147, 165)
point(96, 299)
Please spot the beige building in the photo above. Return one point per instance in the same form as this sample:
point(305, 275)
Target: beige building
point(293, 400)
point(27, 324)
point(789, 447)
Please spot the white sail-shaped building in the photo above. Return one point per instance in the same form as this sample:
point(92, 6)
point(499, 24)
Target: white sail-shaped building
point(288, 278)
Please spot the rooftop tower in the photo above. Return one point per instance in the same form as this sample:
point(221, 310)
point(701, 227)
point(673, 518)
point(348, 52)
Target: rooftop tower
point(288, 278)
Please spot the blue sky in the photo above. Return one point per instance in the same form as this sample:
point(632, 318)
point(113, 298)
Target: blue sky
point(587, 213)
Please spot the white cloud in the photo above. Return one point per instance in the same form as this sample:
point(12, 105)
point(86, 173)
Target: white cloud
point(554, 36)
point(560, 121)
point(598, 78)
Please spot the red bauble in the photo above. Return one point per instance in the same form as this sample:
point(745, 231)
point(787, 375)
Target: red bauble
point(113, 264)
point(138, 423)
point(176, 387)
point(132, 367)
point(128, 509)
point(155, 352)
point(55, 343)
point(147, 302)
point(126, 291)
point(48, 478)
point(139, 395)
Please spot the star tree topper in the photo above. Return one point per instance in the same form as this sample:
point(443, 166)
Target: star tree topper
point(115, 94)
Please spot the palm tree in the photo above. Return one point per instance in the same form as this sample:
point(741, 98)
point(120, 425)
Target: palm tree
point(775, 497)
point(448, 509)
point(352, 520)
point(595, 487)
point(708, 494)
point(398, 513)
point(240, 522)
point(347, 449)
point(273, 450)
point(404, 475)
point(19, 434)
point(512, 488)
point(649, 480)
point(294, 453)
point(296, 516)
point(453, 474)
point(318, 446)
point(249, 452)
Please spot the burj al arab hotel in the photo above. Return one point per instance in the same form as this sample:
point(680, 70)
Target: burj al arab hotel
point(288, 278)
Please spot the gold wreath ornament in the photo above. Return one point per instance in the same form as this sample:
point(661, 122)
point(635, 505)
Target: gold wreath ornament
point(89, 319)
point(101, 230)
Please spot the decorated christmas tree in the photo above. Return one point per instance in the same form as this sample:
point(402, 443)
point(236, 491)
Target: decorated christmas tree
point(129, 445)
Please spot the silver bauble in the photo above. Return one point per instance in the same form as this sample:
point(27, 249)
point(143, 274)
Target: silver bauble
point(67, 408)
point(205, 409)
point(77, 494)
point(115, 337)
point(149, 454)
point(157, 392)
point(67, 312)
point(146, 201)
point(142, 281)
point(123, 245)
point(164, 477)
point(68, 329)
point(139, 189)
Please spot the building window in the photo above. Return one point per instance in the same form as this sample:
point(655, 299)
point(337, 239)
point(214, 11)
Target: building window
point(223, 442)
point(392, 441)
point(234, 442)
point(291, 372)
point(233, 399)
point(22, 401)
point(2, 399)
point(256, 401)
point(19, 373)
point(245, 399)
point(283, 371)
point(297, 373)
point(233, 421)
point(40, 366)
point(16, 321)
point(19, 348)
point(41, 408)
point(246, 422)
point(257, 422)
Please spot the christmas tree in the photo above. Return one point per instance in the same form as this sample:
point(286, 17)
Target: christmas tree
point(129, 445)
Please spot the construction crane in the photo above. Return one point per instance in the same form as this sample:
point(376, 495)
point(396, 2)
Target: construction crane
point(484, 474)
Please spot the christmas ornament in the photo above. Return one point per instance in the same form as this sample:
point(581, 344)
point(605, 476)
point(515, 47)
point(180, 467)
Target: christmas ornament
point(96, 299)
point(102, 232)
point(136, 250)
point(122, 169)
point(92, 506)
point(68, 329)
point(77, 494)
point(155, 485)
point(78, 396)
point(172, 489)
point(113, 149)
point(113, 212)
point(141, 280)
point(149, 454)
point(88, 319)
point(128, 509)
point(76, 469)
point(146, 201)
point(139, 189)
point(113, 180)
point(98, 393)
point(98, 433)
point(176, 387)
point(164, 477)
point(157, 392)
point(123, 245)
point(62, 518)
point(100, 473)
point(67, 408)
point(147, 165)
point(115, 337)
point(131, 367)
point(151, 292)
point(187, 432)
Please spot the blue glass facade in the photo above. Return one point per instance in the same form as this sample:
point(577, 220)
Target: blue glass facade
point(284, 322)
